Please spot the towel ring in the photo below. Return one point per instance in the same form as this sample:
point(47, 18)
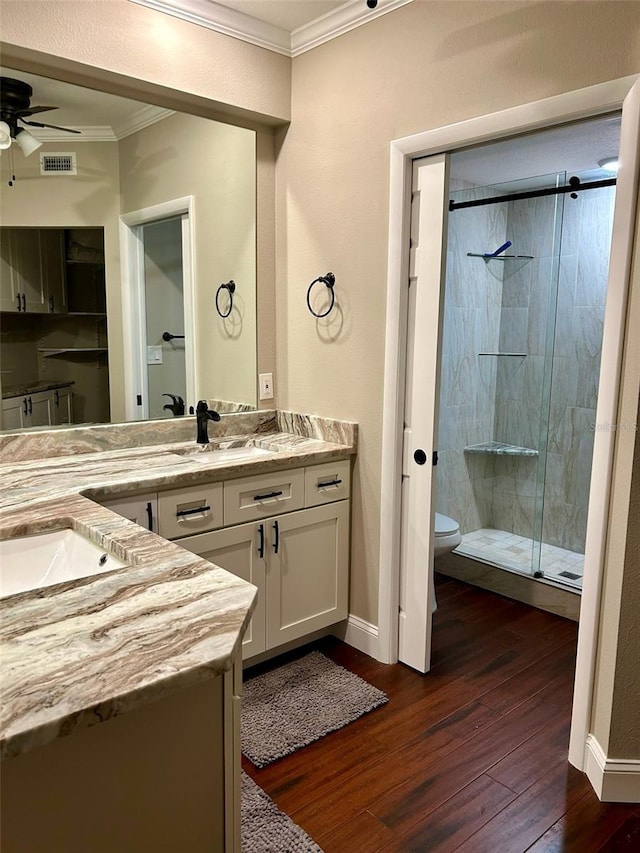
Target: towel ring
point(329, 280)
point(229, 286)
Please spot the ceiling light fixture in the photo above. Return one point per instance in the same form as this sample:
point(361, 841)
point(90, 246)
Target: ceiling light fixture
point(27, 142)
point(609, 164)
point(5, 135)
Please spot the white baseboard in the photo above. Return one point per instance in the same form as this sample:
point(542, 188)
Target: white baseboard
point(613, 780)
point(359, 634)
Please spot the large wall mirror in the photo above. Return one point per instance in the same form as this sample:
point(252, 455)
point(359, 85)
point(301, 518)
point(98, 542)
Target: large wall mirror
point(128, 259)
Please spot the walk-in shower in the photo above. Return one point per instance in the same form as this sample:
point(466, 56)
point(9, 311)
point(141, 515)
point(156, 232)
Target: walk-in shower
point(520, 365)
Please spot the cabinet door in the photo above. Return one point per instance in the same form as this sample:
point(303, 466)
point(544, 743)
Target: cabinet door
point(40, 407)
point(240, 550)
point(62, 409)
point(307, 571)
point(9, 298)
point(27, 266)
point(14, 413)
point(141, 509)
point(52, 246)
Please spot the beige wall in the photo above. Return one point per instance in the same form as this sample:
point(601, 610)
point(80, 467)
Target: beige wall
point(147, 55)
point(425, 65)
point(216, 164)
point(420, 67)
point(90, 198)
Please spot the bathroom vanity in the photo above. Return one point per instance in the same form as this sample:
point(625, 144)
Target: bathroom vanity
point(121, 691)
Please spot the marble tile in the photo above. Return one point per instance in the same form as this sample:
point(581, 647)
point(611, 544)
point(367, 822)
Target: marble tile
point(516, 288)
point(565, 306)
point(587, 329)
point(513, 329)
point(541, 270)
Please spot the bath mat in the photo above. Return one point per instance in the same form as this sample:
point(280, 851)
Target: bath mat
point(265, 829)
point(299, 702)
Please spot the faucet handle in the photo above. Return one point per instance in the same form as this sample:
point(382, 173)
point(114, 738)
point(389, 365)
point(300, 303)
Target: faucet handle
point(203, 408)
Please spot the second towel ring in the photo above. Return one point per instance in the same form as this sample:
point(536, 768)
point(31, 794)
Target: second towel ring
point(329, 280)
point(229, 286)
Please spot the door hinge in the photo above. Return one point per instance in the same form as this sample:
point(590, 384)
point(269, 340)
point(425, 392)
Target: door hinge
point(138, 399)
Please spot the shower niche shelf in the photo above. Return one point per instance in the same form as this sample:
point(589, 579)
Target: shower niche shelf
point(498, 448)
point(486, 257)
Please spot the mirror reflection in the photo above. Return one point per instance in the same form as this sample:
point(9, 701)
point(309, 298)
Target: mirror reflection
point(114, 243)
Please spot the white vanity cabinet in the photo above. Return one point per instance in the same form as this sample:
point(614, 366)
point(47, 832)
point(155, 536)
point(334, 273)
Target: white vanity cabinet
point(286, 532)
point(141, 509)
point(300, 564)
point(298, 559)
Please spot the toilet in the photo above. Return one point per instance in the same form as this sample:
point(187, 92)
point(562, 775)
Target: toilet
point(447, 535)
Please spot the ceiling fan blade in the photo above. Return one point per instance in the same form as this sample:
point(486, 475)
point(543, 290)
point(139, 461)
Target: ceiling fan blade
point(51, 126)
point(29, 111)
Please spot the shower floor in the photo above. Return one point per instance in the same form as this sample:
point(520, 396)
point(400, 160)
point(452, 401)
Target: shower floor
point(515, 552)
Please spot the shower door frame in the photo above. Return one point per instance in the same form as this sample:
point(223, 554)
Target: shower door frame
point(560, 109)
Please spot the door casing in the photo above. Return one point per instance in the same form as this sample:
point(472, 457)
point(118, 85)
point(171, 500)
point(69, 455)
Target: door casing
point(580, 104)
point(133, 317)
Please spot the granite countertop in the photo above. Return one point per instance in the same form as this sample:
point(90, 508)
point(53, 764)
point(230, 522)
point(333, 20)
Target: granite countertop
point(81, 652)
point(19, 390)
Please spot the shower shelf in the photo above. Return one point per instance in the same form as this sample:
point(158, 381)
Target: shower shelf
point(500, 257)
point(497, 448)
point(510, 354)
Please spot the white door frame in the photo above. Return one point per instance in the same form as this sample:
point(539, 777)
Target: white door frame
point(583, 103)
point(133, 304)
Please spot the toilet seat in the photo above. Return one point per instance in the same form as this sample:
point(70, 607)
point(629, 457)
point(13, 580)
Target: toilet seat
point(445, 526)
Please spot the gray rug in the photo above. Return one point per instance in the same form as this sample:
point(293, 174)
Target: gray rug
point(299, 702)
point(265, 829)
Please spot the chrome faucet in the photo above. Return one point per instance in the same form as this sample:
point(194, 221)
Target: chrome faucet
point(203, 415)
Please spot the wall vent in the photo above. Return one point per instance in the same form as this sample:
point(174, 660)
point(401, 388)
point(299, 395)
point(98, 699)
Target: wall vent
point(58, 164)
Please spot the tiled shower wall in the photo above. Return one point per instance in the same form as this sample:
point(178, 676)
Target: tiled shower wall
point(471, 325)
point(503, 306)
point(584, 268)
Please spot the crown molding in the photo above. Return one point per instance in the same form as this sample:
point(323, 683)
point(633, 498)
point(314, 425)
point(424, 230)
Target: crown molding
point(229, 22)
point(87, 134)
point(224, 20)
point(144, 117)
point(343, 19)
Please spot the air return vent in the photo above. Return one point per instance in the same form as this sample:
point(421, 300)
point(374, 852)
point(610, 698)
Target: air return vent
point(58, 164)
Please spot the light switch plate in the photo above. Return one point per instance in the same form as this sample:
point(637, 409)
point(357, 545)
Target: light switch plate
point(266, 386)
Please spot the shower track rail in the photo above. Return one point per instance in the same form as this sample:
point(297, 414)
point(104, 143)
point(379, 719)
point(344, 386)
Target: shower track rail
point(574, 186)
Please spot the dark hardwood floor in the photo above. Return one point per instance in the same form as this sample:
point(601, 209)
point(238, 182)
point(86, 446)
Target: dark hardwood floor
point(471, 757)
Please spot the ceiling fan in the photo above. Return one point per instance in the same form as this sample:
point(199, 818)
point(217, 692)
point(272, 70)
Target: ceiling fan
point(15, 111)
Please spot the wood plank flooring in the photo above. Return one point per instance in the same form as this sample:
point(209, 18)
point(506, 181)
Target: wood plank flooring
point(471, 757)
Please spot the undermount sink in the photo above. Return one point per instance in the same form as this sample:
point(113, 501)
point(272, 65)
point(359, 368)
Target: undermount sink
point(209, 454)
point(45, 559)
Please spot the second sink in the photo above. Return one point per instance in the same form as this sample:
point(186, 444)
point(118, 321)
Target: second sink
point(209, 454)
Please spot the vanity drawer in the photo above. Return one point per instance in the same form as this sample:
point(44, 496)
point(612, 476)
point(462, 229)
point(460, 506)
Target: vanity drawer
point(196, 509)
point(253, 498)
point(326, 483)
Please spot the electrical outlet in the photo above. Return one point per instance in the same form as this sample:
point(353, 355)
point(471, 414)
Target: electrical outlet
point(266, 386)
